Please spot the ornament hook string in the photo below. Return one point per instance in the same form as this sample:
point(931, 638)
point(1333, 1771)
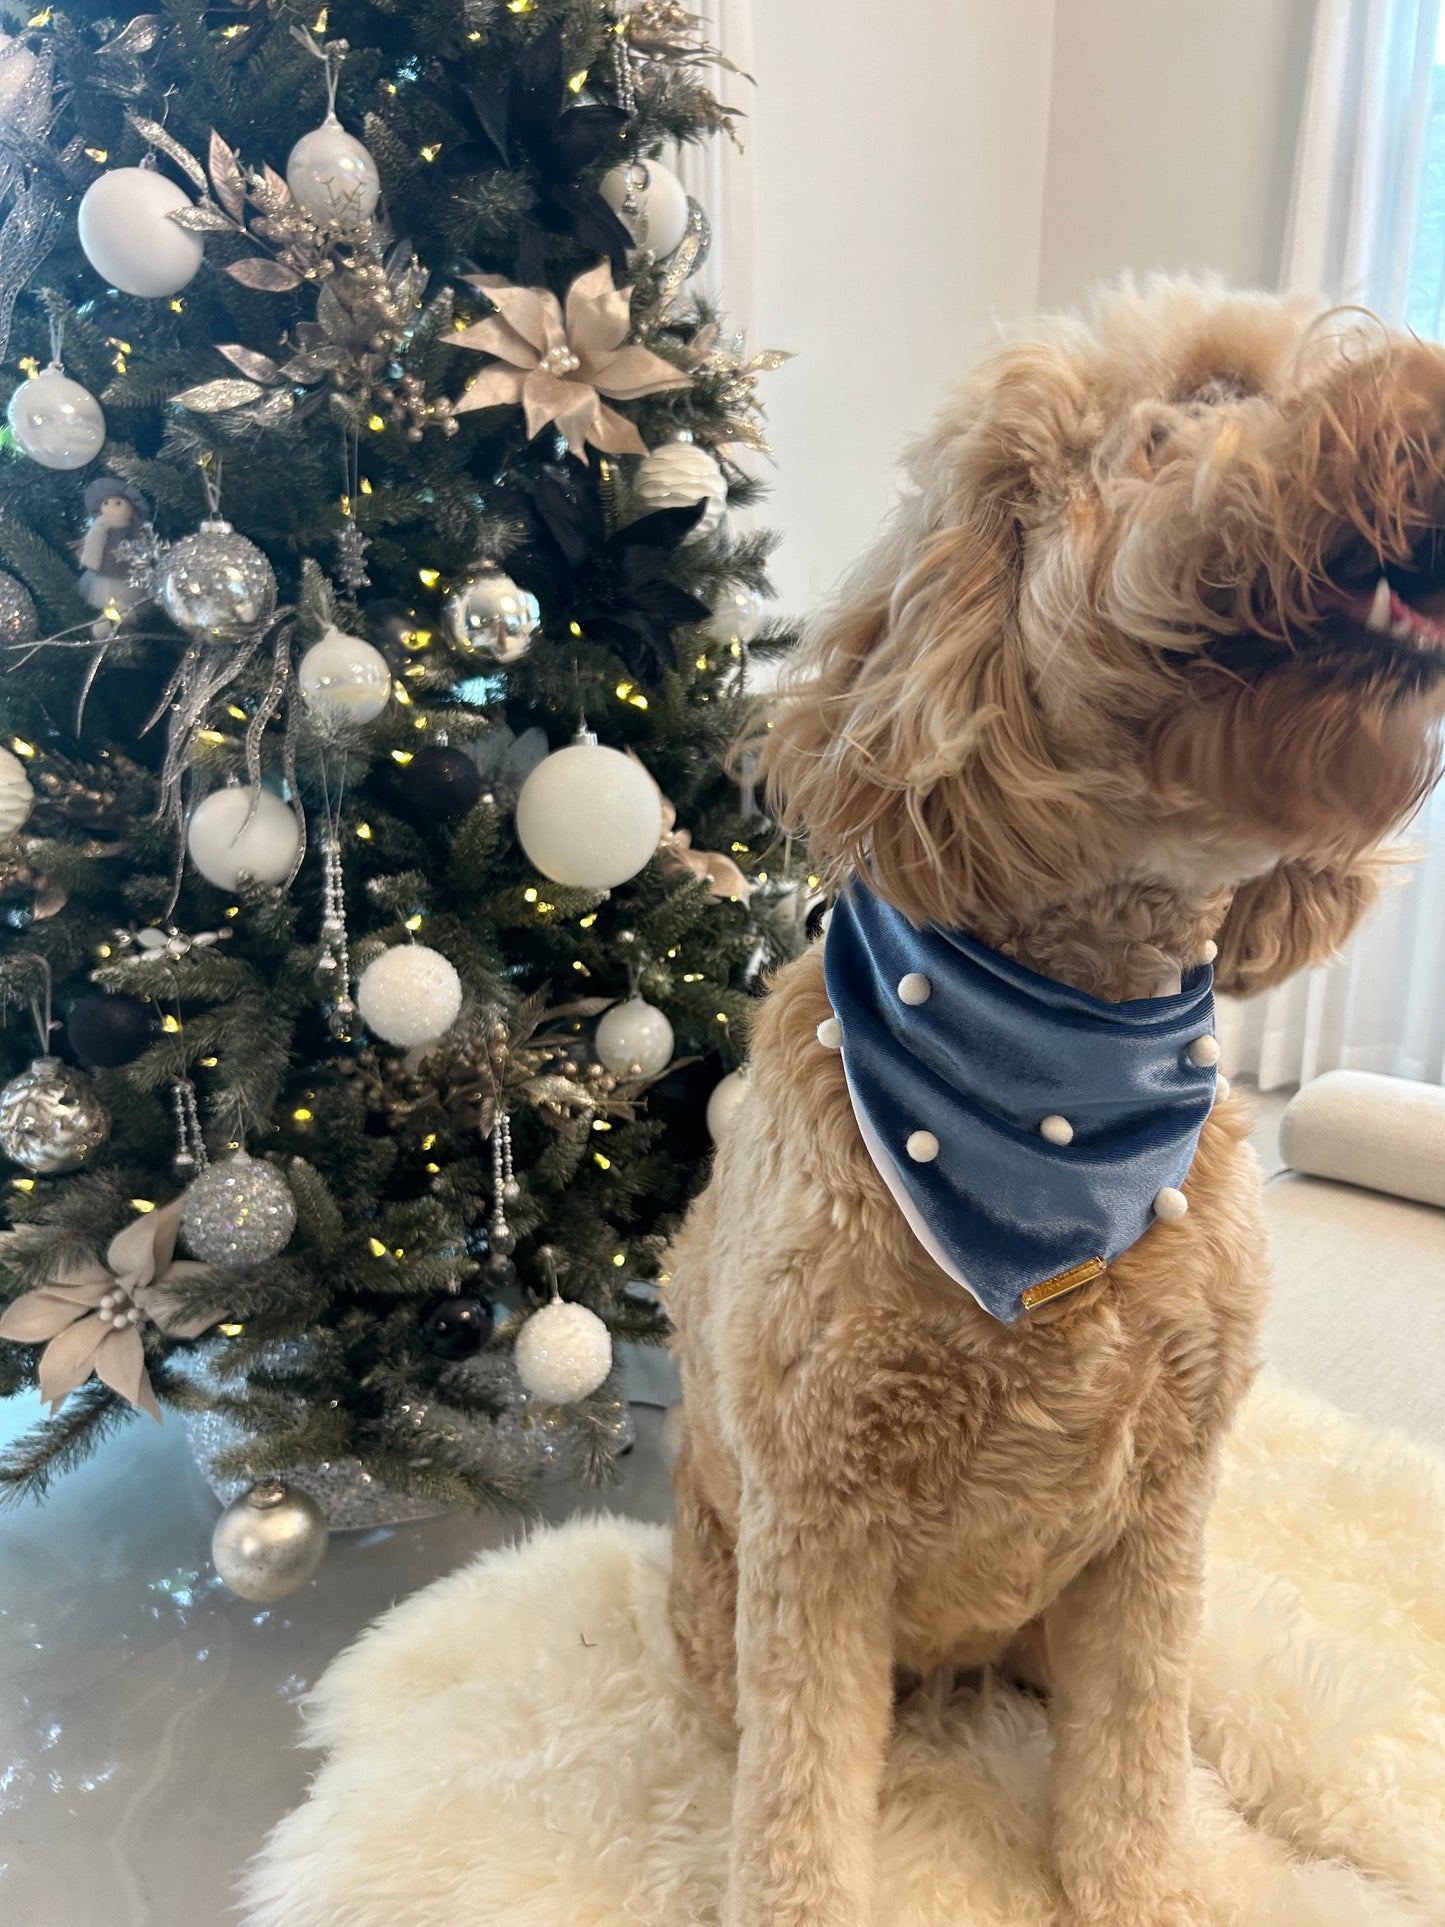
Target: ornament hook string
point(211, 467)
point(40, 1005)
point(330, 56)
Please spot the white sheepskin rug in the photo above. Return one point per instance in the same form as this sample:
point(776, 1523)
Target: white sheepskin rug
point(516, 1747)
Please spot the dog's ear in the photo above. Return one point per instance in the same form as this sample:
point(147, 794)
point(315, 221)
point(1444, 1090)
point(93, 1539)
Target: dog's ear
point(1289, 918)
point(911, 746)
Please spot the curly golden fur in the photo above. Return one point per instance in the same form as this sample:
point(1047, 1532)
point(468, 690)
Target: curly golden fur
point(1102, 697)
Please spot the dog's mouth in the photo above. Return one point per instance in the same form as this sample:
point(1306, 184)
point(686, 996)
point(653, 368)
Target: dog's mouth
point(1396, 604)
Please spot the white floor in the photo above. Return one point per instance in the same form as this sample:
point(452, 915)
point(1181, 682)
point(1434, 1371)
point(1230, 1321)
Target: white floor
point(147, 1716)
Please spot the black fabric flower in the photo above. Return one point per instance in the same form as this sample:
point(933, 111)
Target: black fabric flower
point(533, 122)
point(616, 587)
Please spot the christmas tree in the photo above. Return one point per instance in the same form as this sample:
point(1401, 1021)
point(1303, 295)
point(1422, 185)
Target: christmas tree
point(383, 888)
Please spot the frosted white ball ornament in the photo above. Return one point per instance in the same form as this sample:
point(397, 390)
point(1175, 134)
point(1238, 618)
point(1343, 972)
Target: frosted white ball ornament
point(334, 177)
point(343, 679)
point(589, 816)
point(651, 203)
point(676, 476)
point(57, 422)
point(727, 1094)
point(563, 1352)
point(17, 798)
point(487, 615)
point(129, 237)
point(409, 995)
point(216, 584)
point(235, 833)
point(238, 1212)
point(634, 1039)
point(737, 615)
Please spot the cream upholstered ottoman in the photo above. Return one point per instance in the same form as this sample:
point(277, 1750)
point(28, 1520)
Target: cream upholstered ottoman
point(1357, 1229)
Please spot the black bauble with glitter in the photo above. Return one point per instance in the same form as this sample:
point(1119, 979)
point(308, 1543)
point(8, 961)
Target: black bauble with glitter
point(442, 783)
point(457, 1327)
point(106, 1031)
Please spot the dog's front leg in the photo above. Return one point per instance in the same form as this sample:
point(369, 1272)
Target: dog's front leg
point(1120, 1643)
point(814, 1704)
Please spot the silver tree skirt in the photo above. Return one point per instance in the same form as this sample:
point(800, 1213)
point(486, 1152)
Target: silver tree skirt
point(528, 1440)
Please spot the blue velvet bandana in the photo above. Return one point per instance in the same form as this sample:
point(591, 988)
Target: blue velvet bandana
point(1029, 1132)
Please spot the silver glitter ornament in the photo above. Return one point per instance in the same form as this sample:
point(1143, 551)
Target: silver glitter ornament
point(239, 1212)
point(215, 583)
point(51, 1118)
point(18, 620)
point(270, 1541)
point(487, 615)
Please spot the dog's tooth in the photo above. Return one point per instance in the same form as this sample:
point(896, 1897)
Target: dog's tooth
point(1379, 617)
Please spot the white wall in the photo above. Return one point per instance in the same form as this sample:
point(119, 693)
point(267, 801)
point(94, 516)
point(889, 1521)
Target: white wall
point(899, 159)
point(1171, 138)
point(928, 169)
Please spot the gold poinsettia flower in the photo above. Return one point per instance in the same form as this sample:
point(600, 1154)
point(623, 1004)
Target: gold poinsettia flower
point(91, 1316)
point(559, 366)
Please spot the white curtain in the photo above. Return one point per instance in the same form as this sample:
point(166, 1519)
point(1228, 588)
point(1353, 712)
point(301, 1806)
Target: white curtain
point(1380, 1006)
point(719, 173)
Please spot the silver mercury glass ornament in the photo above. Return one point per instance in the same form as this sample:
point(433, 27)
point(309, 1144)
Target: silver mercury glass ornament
point(51, 1118)
point(488, 615)
point(270, 1541)
point(215, 583)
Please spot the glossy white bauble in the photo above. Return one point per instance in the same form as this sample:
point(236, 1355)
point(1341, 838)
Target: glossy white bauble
point(651, 203)
point(333, 176)
point(344, 679)
point(17, 798)
point(634, 1039)
point(57, 422)
point(410, 995)
point(228, 839)
point(589, 816)
point(128, 235)
point(737, 615)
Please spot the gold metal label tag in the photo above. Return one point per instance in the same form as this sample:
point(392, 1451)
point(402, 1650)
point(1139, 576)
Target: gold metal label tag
point(1070, 1280)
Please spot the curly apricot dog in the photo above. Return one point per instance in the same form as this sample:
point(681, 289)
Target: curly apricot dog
point(1140, 674)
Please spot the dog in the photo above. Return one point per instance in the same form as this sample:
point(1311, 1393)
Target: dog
point(1140, 675)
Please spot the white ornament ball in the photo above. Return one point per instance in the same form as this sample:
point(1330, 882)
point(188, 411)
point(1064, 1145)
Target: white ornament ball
point(57, 422)
point(564, 1352)
point(238, 1212)
point(409, 995)
point(17, 798)
point(344, 679)
point(634, 1039)
point(738, 615)
point(128, 235)
point(270, 1541)
point(488, 615)
point(229, 839)
point(17, 70)
point(727, 1094)
point(333, 176)
point(676, 476)
point(589, 816)
point(651, 203)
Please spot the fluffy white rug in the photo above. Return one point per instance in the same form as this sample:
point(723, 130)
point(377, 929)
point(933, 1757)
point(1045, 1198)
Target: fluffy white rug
point(516, 1747)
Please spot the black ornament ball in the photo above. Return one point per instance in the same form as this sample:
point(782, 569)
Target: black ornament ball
point(106, 1031)
point(442, 782)
point(392, 625)
point(457, 1327)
